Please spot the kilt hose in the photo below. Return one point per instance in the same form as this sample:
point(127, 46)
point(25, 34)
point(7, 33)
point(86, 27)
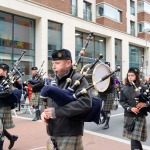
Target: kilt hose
point(67, 142)
point(108, 101)
point(35, 99)
point(6, 118)
point(140, 130)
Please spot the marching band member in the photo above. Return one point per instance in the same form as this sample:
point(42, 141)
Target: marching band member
point(36, 88)
point(135, 111)
point(108, 96)
point(5, 110)
point(64, 131)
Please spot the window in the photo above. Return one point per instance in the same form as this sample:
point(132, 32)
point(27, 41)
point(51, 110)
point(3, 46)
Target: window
point(17, 34)
point(87, 13)
point(143, 26)
point(144, 7)
point(74, 7)
point(54, 40)
point(108, 11)
point(95, 47)
point(135, 54)
point(132, 7)
point(132, 28)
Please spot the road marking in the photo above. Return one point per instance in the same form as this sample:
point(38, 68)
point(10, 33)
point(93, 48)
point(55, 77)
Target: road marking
point(38, 148)
point(117, 115)
point(113, 138)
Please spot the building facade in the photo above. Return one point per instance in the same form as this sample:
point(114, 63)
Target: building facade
point(121, 32)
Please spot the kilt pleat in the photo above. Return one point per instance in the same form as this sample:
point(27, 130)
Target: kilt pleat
point(108, 102)
point(6, 117)
point(35, 99)
point(140, 130)
point(68, 143)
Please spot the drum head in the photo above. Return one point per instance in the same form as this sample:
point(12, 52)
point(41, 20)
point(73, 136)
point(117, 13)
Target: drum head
point(84, 69)
point(99, 72)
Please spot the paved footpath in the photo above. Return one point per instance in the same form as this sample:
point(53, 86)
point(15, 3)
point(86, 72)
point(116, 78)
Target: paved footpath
point(32, 136)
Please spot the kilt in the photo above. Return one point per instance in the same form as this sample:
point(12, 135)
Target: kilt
point(5, 115)
point(108, 101)
point(67, 143)
point(140, 130)
point(35, 99)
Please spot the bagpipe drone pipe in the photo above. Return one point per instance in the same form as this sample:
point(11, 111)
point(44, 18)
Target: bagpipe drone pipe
point(6, 85)
point(142, 95)
point(64, 96)
point(38, 76)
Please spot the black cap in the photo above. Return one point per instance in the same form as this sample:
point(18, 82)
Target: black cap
point(108, 63)
point(4, 67)
point(34, 68)
point(134, 70)
point(62, 54)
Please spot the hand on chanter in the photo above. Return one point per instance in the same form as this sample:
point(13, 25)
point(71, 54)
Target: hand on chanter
point(44, 118)
point(141, 105)
point(135, 110)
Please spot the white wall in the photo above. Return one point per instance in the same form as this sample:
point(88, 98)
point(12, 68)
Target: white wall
point(70, 23)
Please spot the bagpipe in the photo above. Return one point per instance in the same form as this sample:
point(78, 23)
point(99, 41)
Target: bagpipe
point(8, 82)
point(38, 76)
point(64, 96)
point(140, 94)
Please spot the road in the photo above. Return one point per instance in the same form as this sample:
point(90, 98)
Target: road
point(114, 133)
point(116, 126)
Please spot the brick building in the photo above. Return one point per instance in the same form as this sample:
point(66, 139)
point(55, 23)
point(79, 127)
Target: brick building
point(121, 31)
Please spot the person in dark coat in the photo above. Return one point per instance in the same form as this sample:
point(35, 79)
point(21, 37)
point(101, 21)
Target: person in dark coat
point(135, 106)
point(109, 97)
point(36, 88)
point(5, 110)
point(66, 132)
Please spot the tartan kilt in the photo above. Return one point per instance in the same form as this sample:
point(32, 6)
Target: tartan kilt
point(6, 117)
point(140, 130)
point(67, 143)
point(108, 101)
point(35, 99)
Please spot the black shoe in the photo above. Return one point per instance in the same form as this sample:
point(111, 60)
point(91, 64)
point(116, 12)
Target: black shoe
point(35, 119)
point(12, 141)
point(106, 127)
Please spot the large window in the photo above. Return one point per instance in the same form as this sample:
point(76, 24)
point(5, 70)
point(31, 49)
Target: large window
point(74, 7)
point(109, 11)
point(143, 26)
point(135, 54)
point(54, 40)
point(87, 12)
point(118, 55)
point(132, 7)
point(17, 34)
point(144, 7)
point(95, 47)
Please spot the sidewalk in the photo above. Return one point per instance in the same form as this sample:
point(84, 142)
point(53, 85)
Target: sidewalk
point(32, 136)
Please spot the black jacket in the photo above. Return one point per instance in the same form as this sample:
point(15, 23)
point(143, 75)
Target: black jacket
point(127, 101)
point(64, 124)
point(37, 87)
point(4, 94)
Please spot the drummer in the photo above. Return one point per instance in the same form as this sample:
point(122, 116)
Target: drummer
point(69, 137)
point(108, 96)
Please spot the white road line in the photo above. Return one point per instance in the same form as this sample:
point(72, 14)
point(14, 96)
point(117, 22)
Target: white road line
point(117, 115)
point(38, 148)
point(113, 138)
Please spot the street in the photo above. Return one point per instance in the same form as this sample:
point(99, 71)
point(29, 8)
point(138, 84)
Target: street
point(32, 135)
point(116, 126)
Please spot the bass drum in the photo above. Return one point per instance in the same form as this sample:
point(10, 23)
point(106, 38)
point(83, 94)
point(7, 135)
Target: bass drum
point(100, 71)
